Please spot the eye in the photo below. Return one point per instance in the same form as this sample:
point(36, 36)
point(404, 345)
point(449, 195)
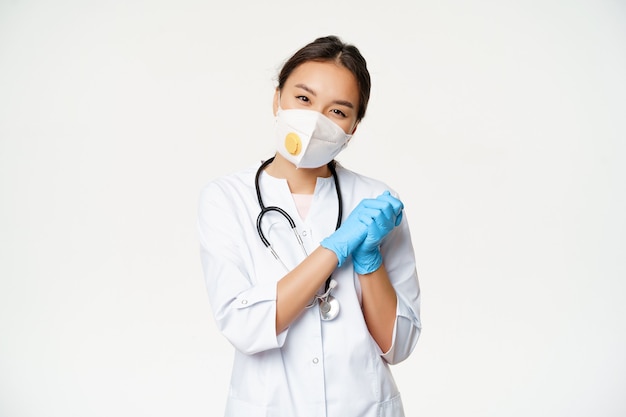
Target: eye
point(303, 98)
point(338, 112)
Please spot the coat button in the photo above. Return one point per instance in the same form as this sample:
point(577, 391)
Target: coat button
point(315, 360)
point(244, 302)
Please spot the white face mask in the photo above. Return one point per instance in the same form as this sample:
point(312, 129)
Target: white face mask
point(307, 138)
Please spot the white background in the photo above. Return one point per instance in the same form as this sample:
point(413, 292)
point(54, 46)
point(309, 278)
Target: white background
point(501, 123)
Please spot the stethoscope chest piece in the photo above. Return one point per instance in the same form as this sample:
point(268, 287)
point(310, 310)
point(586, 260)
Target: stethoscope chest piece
point(329, 308)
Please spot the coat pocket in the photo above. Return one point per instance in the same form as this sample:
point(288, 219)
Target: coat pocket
point(238, 408)
point(391, 408)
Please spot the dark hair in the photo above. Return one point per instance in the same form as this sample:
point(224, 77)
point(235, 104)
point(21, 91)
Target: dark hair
point(331, 48)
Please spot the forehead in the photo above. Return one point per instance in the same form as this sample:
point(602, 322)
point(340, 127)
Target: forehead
point(326, 78)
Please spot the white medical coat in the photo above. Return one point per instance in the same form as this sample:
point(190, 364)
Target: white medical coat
point(314, 368)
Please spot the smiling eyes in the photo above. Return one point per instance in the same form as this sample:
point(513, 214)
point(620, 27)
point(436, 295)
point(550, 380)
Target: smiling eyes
point(334, 111)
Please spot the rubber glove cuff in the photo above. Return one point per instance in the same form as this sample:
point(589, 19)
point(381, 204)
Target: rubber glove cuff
point(337, 245)
point(366, 262)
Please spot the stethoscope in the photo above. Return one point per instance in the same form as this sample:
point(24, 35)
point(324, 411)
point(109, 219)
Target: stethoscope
point(329, 306)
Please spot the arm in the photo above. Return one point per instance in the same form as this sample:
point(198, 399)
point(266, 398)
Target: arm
point(242, 302)
point(390, 293)
point(379, 306)
point(397, 250)
point(296, 289)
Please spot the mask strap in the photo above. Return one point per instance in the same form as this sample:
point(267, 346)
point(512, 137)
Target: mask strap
point(279, 108)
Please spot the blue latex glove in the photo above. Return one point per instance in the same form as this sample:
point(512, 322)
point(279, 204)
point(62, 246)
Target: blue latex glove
point(350, 234)
point(385, 214)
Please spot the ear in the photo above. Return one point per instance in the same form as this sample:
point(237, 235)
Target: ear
point(275, 101)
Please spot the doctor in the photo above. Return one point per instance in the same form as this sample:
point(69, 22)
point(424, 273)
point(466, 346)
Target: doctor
point(309, 266)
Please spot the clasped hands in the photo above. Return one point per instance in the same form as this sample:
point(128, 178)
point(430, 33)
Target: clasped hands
point(364, 229)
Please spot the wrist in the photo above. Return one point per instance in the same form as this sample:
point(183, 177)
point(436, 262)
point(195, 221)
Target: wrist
point(341, 256)
point(367, 262)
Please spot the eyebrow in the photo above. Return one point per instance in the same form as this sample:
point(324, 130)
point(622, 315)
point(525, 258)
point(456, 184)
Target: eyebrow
point(310, 91)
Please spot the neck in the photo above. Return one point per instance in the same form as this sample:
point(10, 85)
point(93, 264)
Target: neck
point(300, 180)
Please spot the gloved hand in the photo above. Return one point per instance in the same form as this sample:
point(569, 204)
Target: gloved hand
point(384, 216)
point(350, 234)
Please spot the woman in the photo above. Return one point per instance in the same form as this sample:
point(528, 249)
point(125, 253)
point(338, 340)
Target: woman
point(315, 318)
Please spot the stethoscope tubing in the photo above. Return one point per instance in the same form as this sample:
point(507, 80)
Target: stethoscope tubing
point(292, 223)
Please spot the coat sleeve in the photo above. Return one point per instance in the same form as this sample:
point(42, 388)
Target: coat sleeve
point(243, 306)
point(399, 260)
